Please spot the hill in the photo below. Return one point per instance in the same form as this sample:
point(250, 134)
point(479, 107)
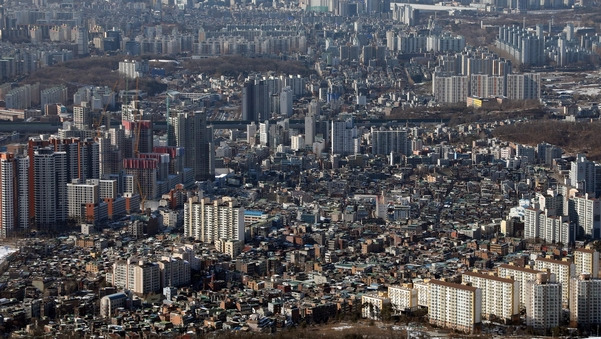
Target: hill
point(97, 71)
point(236, 65)
point(573, 137)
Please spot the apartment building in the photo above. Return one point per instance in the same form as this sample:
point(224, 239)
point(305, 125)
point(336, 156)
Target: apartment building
point(585, 301)
point(521, 275)
point(209, 221)
point(402, 298)
point(586, 260)
point(543, 302)
point(563, 270)
point(372, 306)
point(455, 306)
point(500, 296)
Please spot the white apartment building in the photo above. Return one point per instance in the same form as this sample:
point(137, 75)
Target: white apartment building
point(110, 303)
point(585, 301)
point(450, 89)
point(500, 296)
point(586, 260)
point(372, 306)
point(79, 195)
point(586, 213)
point(455, 306)
point(423, 292)
point(135, 275)
point(564, 271)
point(174, 272)
point(344, 138)
point(543, 302)
point(521, 275)
point(297, 143)
point(402, 298)
point(209, 221)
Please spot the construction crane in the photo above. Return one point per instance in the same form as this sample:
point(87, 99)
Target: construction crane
point(98, 122)
point(138, 122)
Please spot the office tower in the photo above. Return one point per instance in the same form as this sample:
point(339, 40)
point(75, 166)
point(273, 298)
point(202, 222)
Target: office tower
point(14, 201)
point(286, 96)
point(386, 141)
point(586, 260)
point(563, 270)
point(543, 302)
point(83, 198)
point(209, 221)
point(82, 116)
point(455, 306)
point(582, 174)
point(255, 100)
point(500, 295)
point(50, 188)
point(403, 298)
point(192, 133)
point(585, 301)
point(344, 139)
point(585, 212)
